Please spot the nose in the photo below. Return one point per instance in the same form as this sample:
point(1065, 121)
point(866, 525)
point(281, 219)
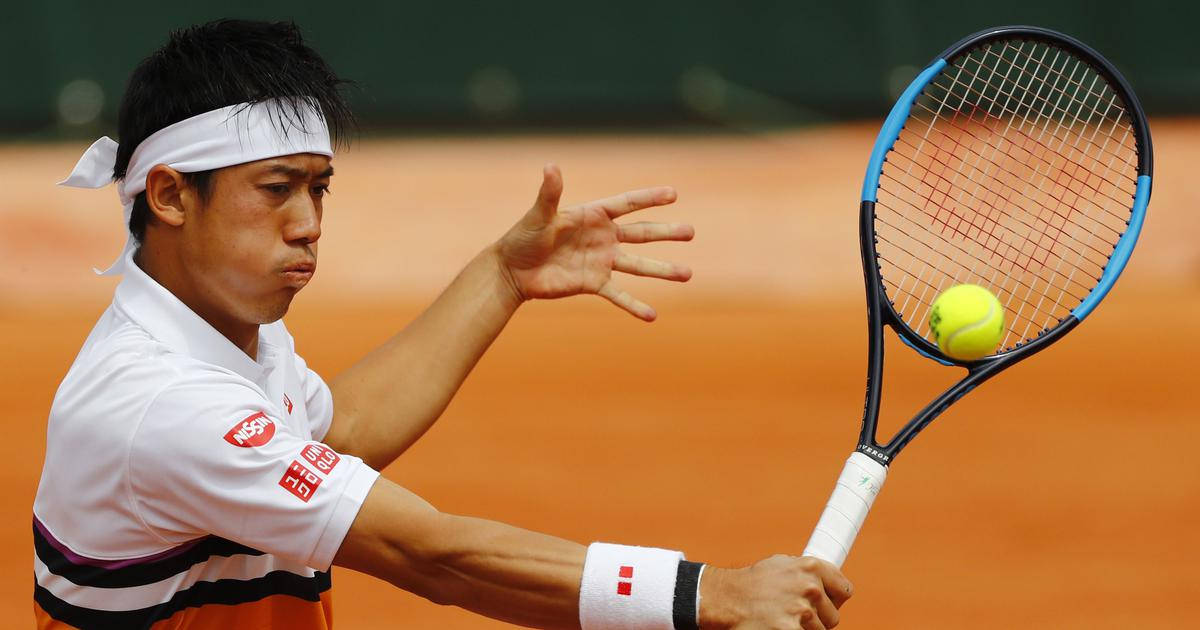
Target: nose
point(304, 221)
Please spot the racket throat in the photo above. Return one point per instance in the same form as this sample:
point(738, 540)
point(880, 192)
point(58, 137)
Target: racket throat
point(876, 453)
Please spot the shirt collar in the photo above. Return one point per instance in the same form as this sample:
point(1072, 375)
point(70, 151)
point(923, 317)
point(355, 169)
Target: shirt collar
point(150, 305)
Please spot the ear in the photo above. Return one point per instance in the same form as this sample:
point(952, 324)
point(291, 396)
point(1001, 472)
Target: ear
point(168, 196)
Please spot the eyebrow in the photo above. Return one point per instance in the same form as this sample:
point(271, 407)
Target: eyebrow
point(291, 171)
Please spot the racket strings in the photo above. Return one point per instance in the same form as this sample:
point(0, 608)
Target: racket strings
point(1015, 170)
point(1002, 198)
point(958, 126)
point(1054, 105)
point(1020, 51)
point(1127, 152)
point(975, 223)
point(1076, 114)
point(991, 206)
point(934, 289)
point(1074, 72)
point(930, 289)
point(976, 260)
point(1040, 158)
point(1102, 148)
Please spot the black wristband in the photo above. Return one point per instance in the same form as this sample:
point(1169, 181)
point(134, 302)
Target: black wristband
point(687, 582)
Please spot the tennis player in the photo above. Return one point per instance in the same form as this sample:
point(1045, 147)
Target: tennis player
point(199, 475)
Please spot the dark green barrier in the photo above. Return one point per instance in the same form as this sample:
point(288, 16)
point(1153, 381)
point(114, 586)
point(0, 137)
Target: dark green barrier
point(539, 63)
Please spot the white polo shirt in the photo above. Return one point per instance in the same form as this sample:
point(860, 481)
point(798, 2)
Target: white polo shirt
point(184, 482)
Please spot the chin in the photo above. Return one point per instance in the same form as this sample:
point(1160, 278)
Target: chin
point(269, 314)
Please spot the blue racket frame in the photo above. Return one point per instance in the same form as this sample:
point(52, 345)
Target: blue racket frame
point(880, 310)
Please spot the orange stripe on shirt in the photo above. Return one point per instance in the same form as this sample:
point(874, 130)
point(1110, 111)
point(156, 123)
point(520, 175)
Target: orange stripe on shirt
point(46, 622)
point(274, 611)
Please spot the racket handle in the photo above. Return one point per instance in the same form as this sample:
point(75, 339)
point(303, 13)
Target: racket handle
point(852, 497)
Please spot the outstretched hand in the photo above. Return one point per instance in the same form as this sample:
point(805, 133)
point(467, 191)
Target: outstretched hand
point(552, 253)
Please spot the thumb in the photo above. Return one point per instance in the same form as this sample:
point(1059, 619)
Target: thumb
point(546, 204)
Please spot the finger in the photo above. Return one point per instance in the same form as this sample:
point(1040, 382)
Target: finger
point(809, 620)
point(644, 232)
point(546, 204)
point(627, 202)
point(839, 592)
point(826, 611)
point(651, 268)
point(837, 587)
point(628, 303)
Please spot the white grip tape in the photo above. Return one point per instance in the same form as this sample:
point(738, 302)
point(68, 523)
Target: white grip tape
point(852, 497)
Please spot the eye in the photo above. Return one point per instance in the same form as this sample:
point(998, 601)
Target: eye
point(322, 190)
point(277, 189)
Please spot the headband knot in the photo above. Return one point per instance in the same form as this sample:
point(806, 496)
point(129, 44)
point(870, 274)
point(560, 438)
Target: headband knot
point(95, 168)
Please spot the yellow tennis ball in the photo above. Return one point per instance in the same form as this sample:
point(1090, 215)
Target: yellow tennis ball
point(967, 322)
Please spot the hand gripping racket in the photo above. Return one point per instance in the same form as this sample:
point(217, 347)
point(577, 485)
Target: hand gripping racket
point(1019, 160)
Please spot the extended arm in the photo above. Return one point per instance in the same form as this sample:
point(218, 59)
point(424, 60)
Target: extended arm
point(390, 398)
point(533, 579)
point(490, 568)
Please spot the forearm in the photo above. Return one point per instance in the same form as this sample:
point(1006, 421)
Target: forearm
point(494, 569)
point(390, 398)
point(532, 579)
point(505, 573)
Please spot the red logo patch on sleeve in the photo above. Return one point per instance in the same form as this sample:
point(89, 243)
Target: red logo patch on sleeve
point(322, 457)
point(254, 430)
point(300, 481)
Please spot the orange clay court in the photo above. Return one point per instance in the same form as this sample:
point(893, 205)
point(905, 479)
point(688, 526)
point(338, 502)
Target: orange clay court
point(1063, 494)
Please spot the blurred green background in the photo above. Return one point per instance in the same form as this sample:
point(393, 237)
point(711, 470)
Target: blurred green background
point(453, 64)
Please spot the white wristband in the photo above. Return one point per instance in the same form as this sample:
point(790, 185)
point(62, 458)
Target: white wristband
point(628, 588)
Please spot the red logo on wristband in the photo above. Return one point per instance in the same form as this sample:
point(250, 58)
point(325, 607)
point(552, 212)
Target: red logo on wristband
point(625, 588)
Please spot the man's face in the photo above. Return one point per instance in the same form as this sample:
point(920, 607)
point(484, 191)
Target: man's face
point(253, 246)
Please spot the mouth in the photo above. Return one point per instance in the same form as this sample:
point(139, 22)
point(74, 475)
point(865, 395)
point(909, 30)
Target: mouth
point(299, 273)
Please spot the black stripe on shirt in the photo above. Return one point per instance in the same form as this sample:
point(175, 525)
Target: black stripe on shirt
point(135, 574)
point(228, 592)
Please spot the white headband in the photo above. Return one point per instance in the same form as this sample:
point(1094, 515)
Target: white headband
point(223, 137)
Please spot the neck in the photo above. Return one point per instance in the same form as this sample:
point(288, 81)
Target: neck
point(169, 273)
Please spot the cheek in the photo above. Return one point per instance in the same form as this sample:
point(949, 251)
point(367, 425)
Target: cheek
point(240, 243)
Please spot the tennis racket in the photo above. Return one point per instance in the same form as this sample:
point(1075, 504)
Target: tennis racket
point(1019, 160)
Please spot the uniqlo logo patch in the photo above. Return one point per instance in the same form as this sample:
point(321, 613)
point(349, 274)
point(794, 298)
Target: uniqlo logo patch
point(287, 402)
point(300, 481)
point(321, 457)
point(253, 430)
point(623, 587)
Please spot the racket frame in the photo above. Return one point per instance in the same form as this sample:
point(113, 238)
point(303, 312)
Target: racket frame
point(880, 310)
point(866, 469)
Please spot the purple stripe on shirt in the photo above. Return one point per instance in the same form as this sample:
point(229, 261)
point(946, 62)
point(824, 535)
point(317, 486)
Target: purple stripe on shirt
point(75, 558)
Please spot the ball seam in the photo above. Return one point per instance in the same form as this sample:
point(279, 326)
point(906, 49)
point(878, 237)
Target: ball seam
point(979, 324)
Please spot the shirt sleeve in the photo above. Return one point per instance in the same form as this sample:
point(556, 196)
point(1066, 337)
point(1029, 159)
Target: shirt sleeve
point(317, 399)
point(209, 459)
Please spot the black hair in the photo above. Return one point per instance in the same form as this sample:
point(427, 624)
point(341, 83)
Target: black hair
point(215, 65)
